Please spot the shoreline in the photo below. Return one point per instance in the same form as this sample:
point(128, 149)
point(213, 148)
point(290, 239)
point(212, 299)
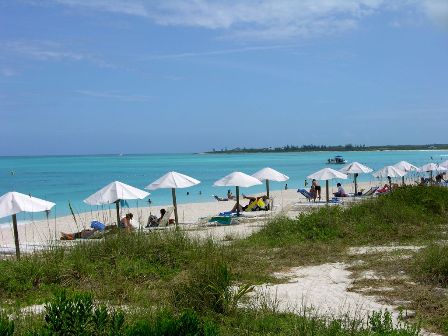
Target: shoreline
point(218, 152)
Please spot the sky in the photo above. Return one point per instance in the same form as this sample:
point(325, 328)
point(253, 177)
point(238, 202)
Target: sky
point(175, 76)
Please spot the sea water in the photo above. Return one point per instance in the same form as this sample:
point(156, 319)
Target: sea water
point(64, 179)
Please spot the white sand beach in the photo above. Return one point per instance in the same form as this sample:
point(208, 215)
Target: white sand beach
point(36, 234)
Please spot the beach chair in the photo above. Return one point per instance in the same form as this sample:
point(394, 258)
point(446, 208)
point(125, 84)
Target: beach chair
point(370, 192)
point(309, 196)
point(164, 221)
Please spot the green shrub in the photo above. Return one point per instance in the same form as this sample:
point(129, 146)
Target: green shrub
point(209, 288)
point(76, 315)
point(166, 323)
point(405, 214)
point(6, 325)
point(431, 265)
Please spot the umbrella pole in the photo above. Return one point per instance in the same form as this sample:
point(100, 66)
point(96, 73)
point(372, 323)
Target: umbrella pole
point(16, 235)
point(390, 182)
point(176, 219)
point(237, 201)
point(402, 180)
point(267, 188)
point(356, 184)
point(117, 206)
point(327, 191)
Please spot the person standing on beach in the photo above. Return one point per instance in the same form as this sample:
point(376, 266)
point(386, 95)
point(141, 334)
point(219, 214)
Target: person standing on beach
point(317, 189)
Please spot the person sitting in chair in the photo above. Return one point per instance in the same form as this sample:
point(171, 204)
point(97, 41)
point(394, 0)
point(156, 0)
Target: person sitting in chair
point(341, 192)
point(125, 222)
point(153, 221)
point(255, 204)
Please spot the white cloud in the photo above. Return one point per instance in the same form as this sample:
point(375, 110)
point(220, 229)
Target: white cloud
point(251, 19)
point(47, 51)
point(115, 96)
point(437, 11)
point(7, 72)
point(220, 52)
point(263, 19)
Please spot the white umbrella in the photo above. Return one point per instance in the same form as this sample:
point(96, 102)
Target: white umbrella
point(356, 168)
point(13, 202)
point(444, 164)
point(173, 180)
point(237, 179)
point(389, 172)
point(270, 174)
point(325, 175)
point(406, 167)
point(113, 193)
point(432, 167)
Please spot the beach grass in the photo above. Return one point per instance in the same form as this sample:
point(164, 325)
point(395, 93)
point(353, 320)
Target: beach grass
point(171, 271)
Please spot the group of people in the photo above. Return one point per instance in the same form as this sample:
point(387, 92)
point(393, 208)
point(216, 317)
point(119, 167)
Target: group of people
point(125, 224)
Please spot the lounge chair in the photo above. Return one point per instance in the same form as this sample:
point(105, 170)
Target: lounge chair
point(309, 196)
point(163, 224)
point(368, 193)
point(219, 199)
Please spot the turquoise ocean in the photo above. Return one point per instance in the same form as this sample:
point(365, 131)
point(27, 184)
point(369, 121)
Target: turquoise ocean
point(61, 179)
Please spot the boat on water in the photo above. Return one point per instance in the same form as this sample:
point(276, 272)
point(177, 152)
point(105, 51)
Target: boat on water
point(338, 159)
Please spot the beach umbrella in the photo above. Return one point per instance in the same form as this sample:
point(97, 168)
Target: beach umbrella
point(269, 174)
point(237, 180)
point(325, 175)
point(355, 168)
point(389, 172)
point(432, 167)
point(113, 193)
point(406, 167)
point(444, 164)
point(173, 180)
point(13, 202)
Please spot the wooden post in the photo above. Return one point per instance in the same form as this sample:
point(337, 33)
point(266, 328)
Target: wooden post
point(176, 218)
point(267, 188)
point(237, 201)
point(327, 190)
point(16, 236)
point(117, 206)
point(356, 184)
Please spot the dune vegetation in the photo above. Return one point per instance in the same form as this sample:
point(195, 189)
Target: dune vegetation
point(167, 283)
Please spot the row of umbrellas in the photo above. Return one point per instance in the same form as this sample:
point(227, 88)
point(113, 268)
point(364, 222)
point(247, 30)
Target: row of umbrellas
point(13, 202)
point(400, 169)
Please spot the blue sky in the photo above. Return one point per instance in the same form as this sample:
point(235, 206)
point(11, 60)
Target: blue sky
point(109, 76)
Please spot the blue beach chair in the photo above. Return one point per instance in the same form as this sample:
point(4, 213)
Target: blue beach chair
point(307, 194)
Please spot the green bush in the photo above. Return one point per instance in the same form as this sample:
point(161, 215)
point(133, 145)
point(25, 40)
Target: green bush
point(431, 265)
point(6, 325)
point(76, 315)
point(209, 288)
point(405, 214)
point(166, 323)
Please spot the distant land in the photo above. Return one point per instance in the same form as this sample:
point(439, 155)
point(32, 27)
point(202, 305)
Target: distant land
point(323, 148)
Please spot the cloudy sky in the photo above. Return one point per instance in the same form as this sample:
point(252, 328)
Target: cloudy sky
point(142, 76)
